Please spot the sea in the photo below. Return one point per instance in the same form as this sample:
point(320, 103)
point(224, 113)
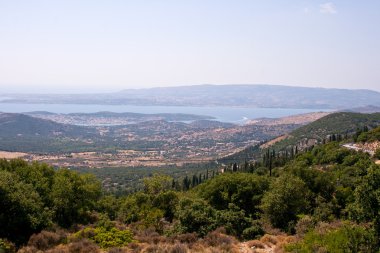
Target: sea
point(237, 115)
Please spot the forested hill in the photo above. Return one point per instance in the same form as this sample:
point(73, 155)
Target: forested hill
point(14, 124)
point(341, 123)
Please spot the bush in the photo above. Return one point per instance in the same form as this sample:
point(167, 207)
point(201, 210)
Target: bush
point(6, 246)
point(83, 246)
point(346, 238)
point(188, 238)
point(304, 225)
point(377, 153)
point(218, 238)
point(253, 232)
point(116, 250)
point(46, 240)
point(112, 238)
point(107, 237)
point(179, 248)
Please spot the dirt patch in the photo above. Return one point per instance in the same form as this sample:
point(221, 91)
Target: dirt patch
point(267, 244)
point(11, 155)
point(270, 143)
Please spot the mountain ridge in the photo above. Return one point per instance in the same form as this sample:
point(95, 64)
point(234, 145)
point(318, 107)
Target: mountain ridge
point(255, 96)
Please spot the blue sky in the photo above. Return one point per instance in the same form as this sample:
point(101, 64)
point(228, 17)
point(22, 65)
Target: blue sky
point(74, 45)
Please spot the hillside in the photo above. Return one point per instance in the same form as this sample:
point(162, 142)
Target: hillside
point(299, 119)
point(311, 202)
point(14, 124)
point(265, 96)
point(113, 118)
point(311, 134)
point(336, 123)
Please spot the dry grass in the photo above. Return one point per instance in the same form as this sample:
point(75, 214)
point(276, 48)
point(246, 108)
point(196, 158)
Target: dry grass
point(47, 239)
point(255, 244)
point(274, 141)
point(11, 155)
point(149, 241)
point(269, 239)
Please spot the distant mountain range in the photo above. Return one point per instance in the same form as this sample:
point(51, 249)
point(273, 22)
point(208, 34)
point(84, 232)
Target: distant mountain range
point(264, 96)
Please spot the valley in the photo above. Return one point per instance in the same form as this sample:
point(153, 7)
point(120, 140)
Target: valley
point(115, 140)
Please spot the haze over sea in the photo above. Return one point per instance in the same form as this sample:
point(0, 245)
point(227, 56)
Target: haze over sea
point(236, 115)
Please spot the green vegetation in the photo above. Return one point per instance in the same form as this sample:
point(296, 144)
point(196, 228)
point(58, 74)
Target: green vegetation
point(34, 196)
point(342, 238)
point(287, 198)
point(377, 153)
point(326, 195)
point(106, 237)
point(369, 136)
point(339, 123)
point(332, 127)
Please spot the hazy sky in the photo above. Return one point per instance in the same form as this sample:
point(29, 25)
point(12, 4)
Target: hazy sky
point(101, 45)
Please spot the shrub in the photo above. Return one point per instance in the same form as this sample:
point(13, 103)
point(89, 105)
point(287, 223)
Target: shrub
point(218, 238)
point(255, 244)
point(304, 225)
point(112, 238)
point(179, 248)
point(27, 249)
point(46, 240)
point(83, 246)
point(253, 232)
point(116, 250)
point(148, 235)
point(188, 238)
point(106, 237)
point(6, 246)
point(377, 153)
point(346, 238)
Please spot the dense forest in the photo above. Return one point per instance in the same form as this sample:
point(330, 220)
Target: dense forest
point(325, 199)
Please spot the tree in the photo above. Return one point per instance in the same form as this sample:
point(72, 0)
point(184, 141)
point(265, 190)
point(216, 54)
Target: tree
point(157, 184)
point(73, 195)
point(22, 211)
point(166, 201)
point(377, 153)
point(366, 207)
point(241, 189)
point(286, 199)
point(195, 215)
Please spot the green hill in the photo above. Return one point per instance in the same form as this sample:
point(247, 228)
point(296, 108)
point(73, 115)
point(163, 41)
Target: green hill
point(337, 123)
point(14, 124)
point(23, 133)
